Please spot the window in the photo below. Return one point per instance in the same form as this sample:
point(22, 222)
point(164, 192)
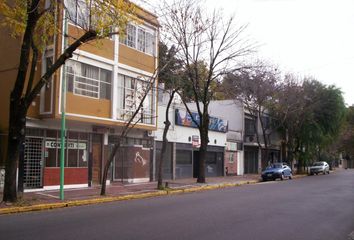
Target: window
point(131, 92)
point(87, 80)
point(140, 39)
point(131, 36)
point(150, 43)
point(250, 128)
point(231, 157)
point(48, 64)
point(77, 12)
point(75, 152)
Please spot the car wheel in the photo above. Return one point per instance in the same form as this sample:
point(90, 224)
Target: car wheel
point(324, 172)
point(282, 177)
point(290, 176)
point(264, 179)
point(328, 172)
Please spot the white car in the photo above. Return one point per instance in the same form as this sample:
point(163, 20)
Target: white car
point(319, 167)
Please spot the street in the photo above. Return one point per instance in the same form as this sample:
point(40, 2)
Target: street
point(315, 207)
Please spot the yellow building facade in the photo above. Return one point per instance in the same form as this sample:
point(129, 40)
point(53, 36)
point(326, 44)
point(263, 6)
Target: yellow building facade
point(104, 84)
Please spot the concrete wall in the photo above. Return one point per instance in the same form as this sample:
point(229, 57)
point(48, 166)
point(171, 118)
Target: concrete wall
point(181, 134)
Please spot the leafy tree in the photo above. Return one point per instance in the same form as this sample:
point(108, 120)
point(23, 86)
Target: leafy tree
point(346, 138)
point(310, 116)
point(34, 23)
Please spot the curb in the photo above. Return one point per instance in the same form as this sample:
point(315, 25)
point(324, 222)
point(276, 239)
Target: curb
point(50, 206)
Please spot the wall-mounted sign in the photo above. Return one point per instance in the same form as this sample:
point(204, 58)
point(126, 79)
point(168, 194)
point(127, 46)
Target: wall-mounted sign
point(69, 145)
point(183, 118)
point(195, 141)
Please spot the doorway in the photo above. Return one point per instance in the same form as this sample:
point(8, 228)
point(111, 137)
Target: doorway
point(33, 163)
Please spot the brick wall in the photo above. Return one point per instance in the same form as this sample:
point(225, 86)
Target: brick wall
point(231, 167)
point(71, 176)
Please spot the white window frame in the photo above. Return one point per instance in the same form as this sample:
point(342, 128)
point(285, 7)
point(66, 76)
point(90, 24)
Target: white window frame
point(98, 86)
point(141, 31)
point(77, 20)
point(148, 109)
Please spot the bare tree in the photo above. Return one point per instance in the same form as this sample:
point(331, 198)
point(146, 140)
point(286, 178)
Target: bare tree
point(210, 46)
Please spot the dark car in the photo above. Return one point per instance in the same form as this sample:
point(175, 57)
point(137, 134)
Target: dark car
point(277, 170)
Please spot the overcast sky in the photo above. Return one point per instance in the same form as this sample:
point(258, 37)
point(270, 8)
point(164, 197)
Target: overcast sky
point(307, 37)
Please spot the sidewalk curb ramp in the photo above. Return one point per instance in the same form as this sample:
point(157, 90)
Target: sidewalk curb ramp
point(50, 206)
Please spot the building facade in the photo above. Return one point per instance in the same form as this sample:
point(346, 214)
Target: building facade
point(184, 140)
point(105, 83)
point(244, 154)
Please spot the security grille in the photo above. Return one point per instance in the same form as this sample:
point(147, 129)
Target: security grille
point(33, 163)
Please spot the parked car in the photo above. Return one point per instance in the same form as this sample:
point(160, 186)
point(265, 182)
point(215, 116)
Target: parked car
point(319, 167)
point(277, 170)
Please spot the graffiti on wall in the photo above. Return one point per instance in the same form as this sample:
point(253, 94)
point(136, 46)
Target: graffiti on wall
point(139, 159)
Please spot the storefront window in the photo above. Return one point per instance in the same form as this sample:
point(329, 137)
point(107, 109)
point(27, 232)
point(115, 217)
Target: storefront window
point(82, 158)
point(75, 153)
point(72, 157)
point(51, 157)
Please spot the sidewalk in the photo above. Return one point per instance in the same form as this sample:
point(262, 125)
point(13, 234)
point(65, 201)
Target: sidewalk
point(34, 201)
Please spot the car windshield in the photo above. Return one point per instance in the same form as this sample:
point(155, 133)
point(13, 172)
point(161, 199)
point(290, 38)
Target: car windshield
point(318, 164)
point(277, 165)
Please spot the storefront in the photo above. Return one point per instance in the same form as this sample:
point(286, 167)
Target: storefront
point(182, 157)
point(42, 158)
point(85, 156)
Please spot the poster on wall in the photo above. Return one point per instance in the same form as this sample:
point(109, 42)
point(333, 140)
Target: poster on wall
point(195, 141)
point(183, 118)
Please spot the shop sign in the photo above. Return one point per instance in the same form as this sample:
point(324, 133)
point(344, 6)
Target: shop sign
point(195, 141)
point(183, 118)
point(69, 145)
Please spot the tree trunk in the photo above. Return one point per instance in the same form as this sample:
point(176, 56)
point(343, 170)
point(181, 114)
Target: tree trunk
point(16, 137)
point(107, 166)
point(164, 142)
point(201, 166)
point(204, 140)
point(163, 153)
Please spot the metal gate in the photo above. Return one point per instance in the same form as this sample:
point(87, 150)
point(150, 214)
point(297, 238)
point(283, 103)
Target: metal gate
point(251, 160)
point(33, 164)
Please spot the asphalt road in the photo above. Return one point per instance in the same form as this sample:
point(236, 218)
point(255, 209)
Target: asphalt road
point(316, 207)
